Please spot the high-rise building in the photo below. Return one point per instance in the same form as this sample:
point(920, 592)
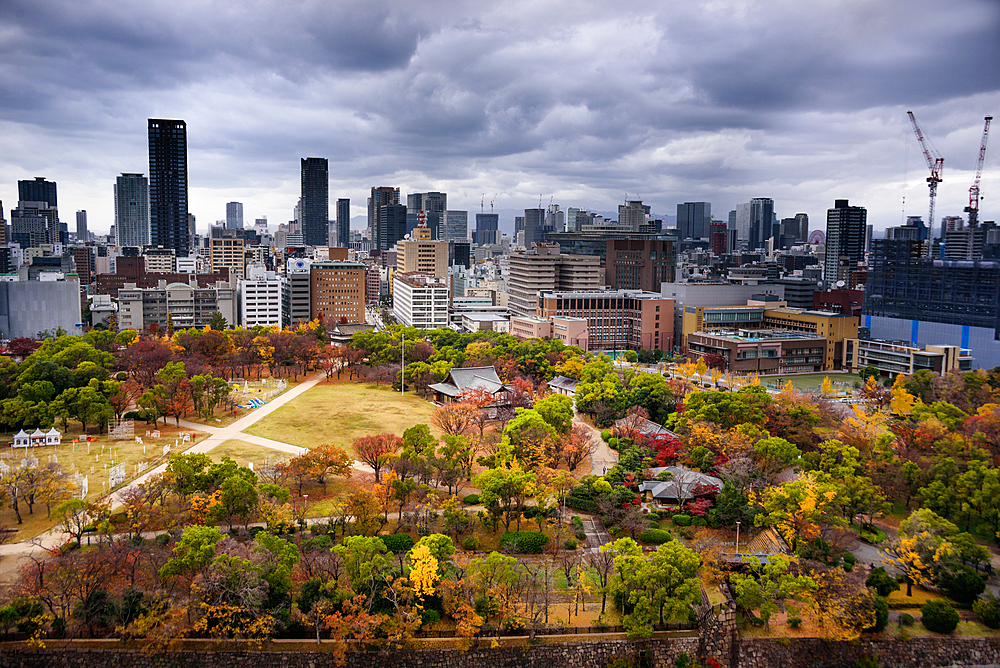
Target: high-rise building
point(433, 205)
point(456, 225)
point(380, 197)
point(228, 252)
point(634, 264)
point(234, 216)
point(168, 185)
point(534, 222)
point(845, 240)
point(338, 291)
point(391, 226)
point(545, 268)
point(632, 215)
point(694, 220)
point(422, 255)
point(343, 222)
point(315, 201)
point(38, 190)
point(761, 221)
point(487, 229)
point(131, 210)
point(81, 226)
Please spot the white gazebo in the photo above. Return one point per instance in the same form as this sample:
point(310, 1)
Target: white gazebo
point(22, 440)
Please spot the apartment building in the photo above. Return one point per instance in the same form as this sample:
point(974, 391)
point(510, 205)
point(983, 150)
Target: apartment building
point(422, 256)
point(337, 291)
point(260, 298)
point(185, 305)
point(616, 319)
point(545, 268)
point(420, 300)
point(230, 253)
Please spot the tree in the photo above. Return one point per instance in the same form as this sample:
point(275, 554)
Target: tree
point(765, 584)
point(455, 418)
point(377, 450)
point(506, 490)
point(556, 410)
point(330, 459)
point(365, 562)
point(797, 508)
point(236, 499)
point(922, 543)
point(193, 553)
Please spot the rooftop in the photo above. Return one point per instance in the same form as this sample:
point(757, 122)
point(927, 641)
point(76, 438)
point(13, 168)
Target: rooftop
point(760, 335)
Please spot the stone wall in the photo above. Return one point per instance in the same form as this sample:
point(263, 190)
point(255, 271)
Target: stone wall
point(923, 652)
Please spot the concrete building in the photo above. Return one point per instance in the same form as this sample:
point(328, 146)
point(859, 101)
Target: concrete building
point(229, 253)
point(83, 261)
point(545, 268)
point(485, 322)
point(82, 235)
point(337, 291)
point(760, 351)
point(420, 300)
point(260, 297)
point(423, 256)
point(160, 260)
point(30, 307)
point(487, 229)
point(234, 216)
point(185, 304)
point(892, 358)
point(617, 319)
point(632, 215)
point(568, 329)
point(297, 299)
point(640, 264)
point(685, 295)
point(845, 241)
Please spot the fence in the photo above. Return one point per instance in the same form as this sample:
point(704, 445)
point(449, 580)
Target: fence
point(564, 630)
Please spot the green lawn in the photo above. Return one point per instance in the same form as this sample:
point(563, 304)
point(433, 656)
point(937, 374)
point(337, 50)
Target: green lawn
point(812, 381)
point(342, 412)
point(242, 453)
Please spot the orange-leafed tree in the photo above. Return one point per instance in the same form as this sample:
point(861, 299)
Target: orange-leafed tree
point(454, 419)
point(330, 459)
point(377, 450)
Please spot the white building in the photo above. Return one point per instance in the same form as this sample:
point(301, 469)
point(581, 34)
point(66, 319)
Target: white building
point(420, 300)
point(259, 297)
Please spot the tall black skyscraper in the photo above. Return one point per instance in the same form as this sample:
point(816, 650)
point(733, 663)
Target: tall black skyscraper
point(381, 196)
point(168, 185)
point(392, 225)
point(38, 190)
point(694, 219)
point(315, 201)
point(487, 225)
point(845, 240)
point(343, 222)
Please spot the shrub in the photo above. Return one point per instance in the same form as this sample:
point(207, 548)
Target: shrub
point(530, 512)
point(654, 522)
point(430, 617)
point(471, 543)
point(795, 622)
point(867, 662)
point(577, 503)
point(397, 543)
point(883, 583)
point(682, 520)
point(523, 542)
point(606, 435)
point(570, 544)
point(653, 516)
point(963, 584)
point(699, 522)
point(471, 500)
point(162, 539)
point(581, 534)
point(988, 611)
point(906, 619)
point(938, 616)
point(576, 522)
point(655, 536)
point(881, 615)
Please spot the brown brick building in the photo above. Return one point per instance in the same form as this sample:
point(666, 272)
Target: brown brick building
point(616, 320)
point(640, 264)
point(338, 291)
point(133, 270)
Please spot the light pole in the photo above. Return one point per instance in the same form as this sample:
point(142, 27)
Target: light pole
point(737, 538)
point(305, 508)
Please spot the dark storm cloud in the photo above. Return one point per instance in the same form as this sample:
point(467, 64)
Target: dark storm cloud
point(722, 99)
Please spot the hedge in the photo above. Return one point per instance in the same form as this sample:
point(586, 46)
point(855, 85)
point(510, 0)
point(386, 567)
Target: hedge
point(577, 503)
point(655, 536)
point(523, 542)
point(471, 500)
point(397, 543)
point(682, 520)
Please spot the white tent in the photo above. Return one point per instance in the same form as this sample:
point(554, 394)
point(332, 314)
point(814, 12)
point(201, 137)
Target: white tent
point(22, 440)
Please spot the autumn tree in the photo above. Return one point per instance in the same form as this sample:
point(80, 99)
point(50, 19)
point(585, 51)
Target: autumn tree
point(455, 418)
point(377, 451)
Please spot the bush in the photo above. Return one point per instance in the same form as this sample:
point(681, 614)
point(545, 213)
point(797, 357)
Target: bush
point(867, 662)
point(906, 619)
point(795, 622)
point(471, 500)
point(963, 584)
point(654, 522)
point(576, 522)
point(523, 542)
point(938, 616)
point(162, 539)
point(988, 611)
point(883, 583)
point(872, 534)
point(849, 561)
point(581, 534)
point(653, 515)
point(530, 512)
point(682, 520)
point(606, 435)
point(397, 543)
point(429, 618)
point(577, 503)
point(655, 536)
point(471, 543)
point(881, 615)
point(570, 544)
point(699, 522)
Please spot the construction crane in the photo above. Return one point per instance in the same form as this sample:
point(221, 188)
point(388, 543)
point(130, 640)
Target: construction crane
point(935, 163)
point(973, 208)
point(493, 200)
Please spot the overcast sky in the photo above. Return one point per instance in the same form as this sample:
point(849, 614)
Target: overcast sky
point(722, 101)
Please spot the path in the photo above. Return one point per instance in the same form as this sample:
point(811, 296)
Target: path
point(217, 436)
point(596, 535)
point(603, 457)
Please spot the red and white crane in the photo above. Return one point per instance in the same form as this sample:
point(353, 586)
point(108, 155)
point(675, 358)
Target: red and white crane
point(935, 163)
point(973, 208)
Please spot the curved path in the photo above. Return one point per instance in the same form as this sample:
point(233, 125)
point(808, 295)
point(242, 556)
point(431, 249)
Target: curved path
point(217, 436)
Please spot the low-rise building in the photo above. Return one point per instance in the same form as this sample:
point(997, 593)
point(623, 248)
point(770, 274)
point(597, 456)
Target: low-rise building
point(892, 358)
point(182, 305)
point(485, 322)
point(420, 300)
point(260, 297)
point(760, 351)
point(571, 331)
point(616, 319)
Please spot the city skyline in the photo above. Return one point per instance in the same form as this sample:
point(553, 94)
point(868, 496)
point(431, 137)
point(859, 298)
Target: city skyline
point(660, 104)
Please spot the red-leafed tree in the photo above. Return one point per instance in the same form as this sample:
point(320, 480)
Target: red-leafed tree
point(666, 447)
point(377, 450)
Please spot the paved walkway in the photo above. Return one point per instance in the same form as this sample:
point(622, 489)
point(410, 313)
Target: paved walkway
point(604, 457)
point(217, 436)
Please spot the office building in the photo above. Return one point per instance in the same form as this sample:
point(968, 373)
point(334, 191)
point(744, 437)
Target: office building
point(761, 222)
point(456, 225)
point(131, 210)
point(694, 220)
point(545, 268)
point(260, 225)
point(337, 291)
point(38, 190)
point(433, 206)
point(81, 227)
point(640, 264)
point(168, 185)
point(616, 319)
point(632, 215)
point(760, 351)
point(30, 307)
point(487, 229)
point(296, 303)
point(460, 253)
point(893, 358)
point(391, 226)
point(343, 222)
point(422, 256)
point(229, 253)
point(30, 226)
point(380, 196)
point(315, 201)
point(234, 216)
point(132, 269)
point(260, 297)
point(913, 230)
point(181, 305)
point(533, 226)
point(84, 263)
point(796, 228)
point(420, 300)
point(845, 241)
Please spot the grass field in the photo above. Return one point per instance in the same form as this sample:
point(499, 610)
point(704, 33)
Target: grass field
point(812, 381)
point(342, 412)
point(243, 453)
